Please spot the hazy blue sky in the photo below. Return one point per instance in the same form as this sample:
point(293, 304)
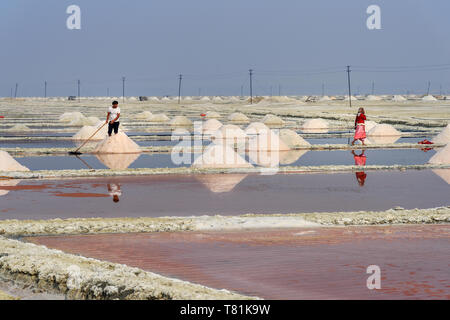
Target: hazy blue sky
point(214, 43)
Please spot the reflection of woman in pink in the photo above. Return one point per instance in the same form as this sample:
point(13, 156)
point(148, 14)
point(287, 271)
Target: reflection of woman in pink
point(114, 191)
point(360, 126)
point(360, 160)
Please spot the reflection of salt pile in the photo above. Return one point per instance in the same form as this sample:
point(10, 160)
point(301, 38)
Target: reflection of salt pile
point(398, 98)
point(256, 128)
point(289, 157)
point(6, 184)
point(292, 139)
point(272, 120)
point(118, 161)
point(229, 133)
point(7, 163)
point(315, 126)
point(442, 156)
point(19, 127)
point(429, 98)
point(117, 143)
point(212, 115)
point(267, 141)
point(220, 156)
point(87, 131)
point(159, 118)
point(369, 125)
point(238, 117)
point(443, 173)
point(145, 115)
point(222, 183)
point(180, 121)
point(444, 136)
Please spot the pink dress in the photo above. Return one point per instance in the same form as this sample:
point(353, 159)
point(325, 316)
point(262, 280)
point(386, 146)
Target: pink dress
point(360, 132)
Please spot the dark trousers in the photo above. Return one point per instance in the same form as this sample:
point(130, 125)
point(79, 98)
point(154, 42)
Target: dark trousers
point(114, 126)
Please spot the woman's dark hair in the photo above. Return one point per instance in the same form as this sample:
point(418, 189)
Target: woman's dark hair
point(115, 102)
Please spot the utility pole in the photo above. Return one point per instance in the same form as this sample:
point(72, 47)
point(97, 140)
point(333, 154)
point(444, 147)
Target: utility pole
point(123, 89)
point(428, 90)
point(242, 91)
point(180, 77)
point(349, 86)
point(373, 87)
point(15, 92)
point(323, 89)
point(79, 84)
point(45, 89)
point(271, 91)
point(107, 92)
point(199, 92)
point(279, 90)
point(251, 85)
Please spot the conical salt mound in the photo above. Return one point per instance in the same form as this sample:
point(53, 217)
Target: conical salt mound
point(256, 128)
point(267, 141)
point(444, 136)
point(70, 116)
point(373, 98)
point(117, 143)
point(118, 161)
point(398, 98)
point(205, 99)
point(272, 120)
point(212, 115)
point(211, 126)
point(444, 174)
point(220, 183)
point(238, 117)
point(159, 118)
point(370, 125)
point(324, 98)
point(145, 115)
point(87, 131)
point(8, 163)
point(220, 156)
point(19, 127)
point(229, 133)
point(83, 121)
point(292, 139)
point(180, 121)
point(7, 184)
point(442, 156)
point(429, 98)
point(381, 130)
point(315, 124)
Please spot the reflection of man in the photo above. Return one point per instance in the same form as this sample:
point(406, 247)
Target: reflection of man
point(114, 191)
point(360, 160)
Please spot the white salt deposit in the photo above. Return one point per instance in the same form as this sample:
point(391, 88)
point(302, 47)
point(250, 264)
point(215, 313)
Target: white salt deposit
point(220, 184)
point(229, 133)
point(117, 143)
point(159, 118)
point(381, 139)
point(217, 99)
point(19, 127)
point(373, 98)
point(238, 117)
point(398, 98)
point(87, 131)
point(429, 98)
point(7, 183)
point(220, 156)
point(272, 120)
point(145, 115)
point(370, 125)
point(8, 163)
point(180, 121)
point(205, 99)
point(292, 139)
point(256, 128)
point(211, 126)
point(213, 115)
point(117, 161)
point(315, 124)
point(444, 136)
point(324, 98)
point(267, 141)
point(381, 130)
point(442, 156)
point(70, 116)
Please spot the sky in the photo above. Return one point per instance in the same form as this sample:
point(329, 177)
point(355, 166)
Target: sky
point(294, 47)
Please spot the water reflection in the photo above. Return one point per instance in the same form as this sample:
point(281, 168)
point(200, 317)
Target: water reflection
point(360, 160)
point(114, 191)
point(6, 185)
point(118, 161)
point(221, 183)
point(444, 174)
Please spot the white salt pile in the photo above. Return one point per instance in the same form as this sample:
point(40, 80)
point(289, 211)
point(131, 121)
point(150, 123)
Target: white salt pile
point(217, 99)
point(272, 120)
point(118, 161)
point(117, 143)
point(324, 98)
point(8, 163)
point(429, 98)
point(256, 128)
point(19, 127)
point(205, 99)
point(212, 115)
point(381, 130)
point(220, 184)
point(292, 139)
point(145, 115)
point(220, 156)
point(267, 141)
point(153, 99)
point(369, 125)
point(443, 173)
point(352, 97)
point(229, 133)
point(8, 183)
point(315, 124)
point(373, 98)
point(70, 116)
point(87, 131)
point(444, 136)
point(381, 139)
point(290, 157)
point(211, 126)
point(238, 117)
point(180, 121)
point(165, 99)
point(398, 98)
point(159, 118)
point(442, 156)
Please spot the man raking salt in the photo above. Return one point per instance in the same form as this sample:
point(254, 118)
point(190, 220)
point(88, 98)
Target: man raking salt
point(112, 118)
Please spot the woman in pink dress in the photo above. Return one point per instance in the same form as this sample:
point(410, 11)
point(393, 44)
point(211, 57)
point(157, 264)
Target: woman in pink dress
point(360, 126)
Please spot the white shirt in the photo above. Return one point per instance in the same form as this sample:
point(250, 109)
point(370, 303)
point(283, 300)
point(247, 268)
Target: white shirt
point(113, 113)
